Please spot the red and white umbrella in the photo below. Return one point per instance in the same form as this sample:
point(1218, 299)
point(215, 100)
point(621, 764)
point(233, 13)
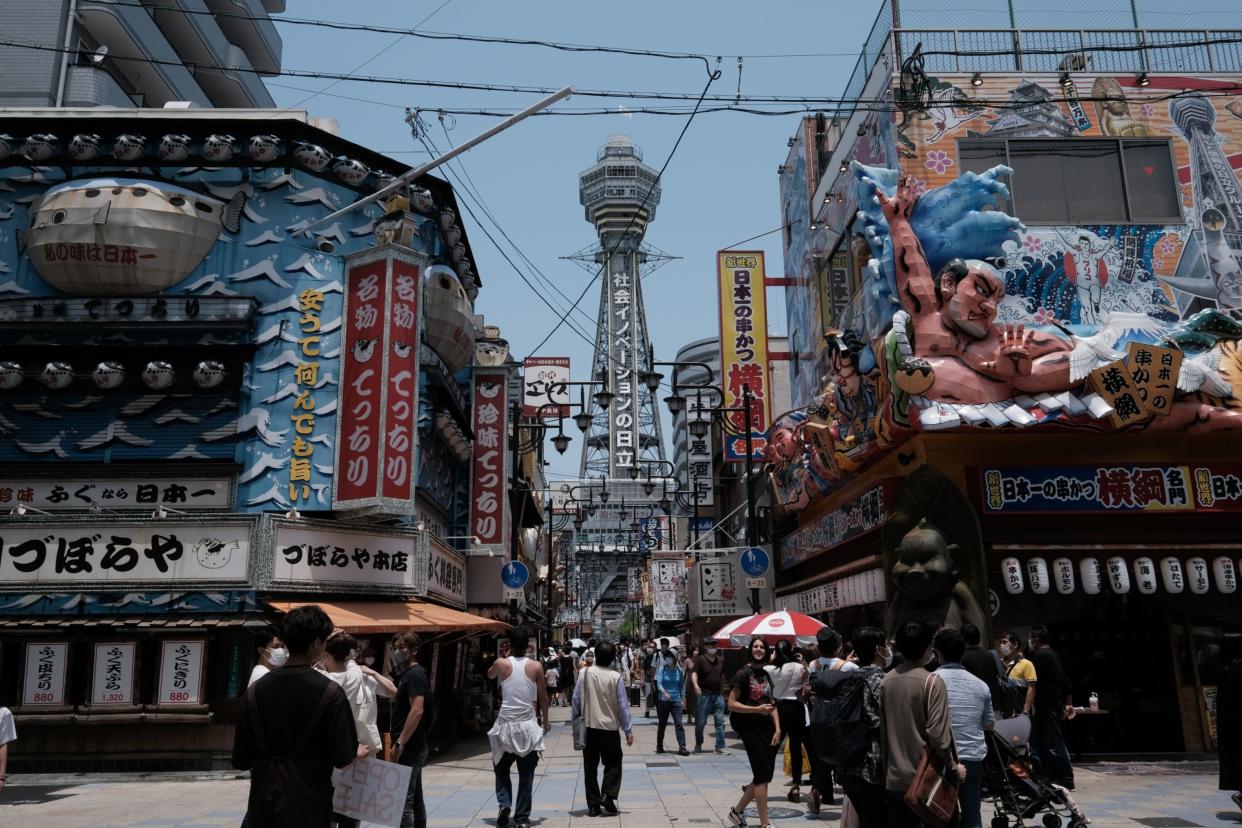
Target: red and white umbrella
point(782, 625)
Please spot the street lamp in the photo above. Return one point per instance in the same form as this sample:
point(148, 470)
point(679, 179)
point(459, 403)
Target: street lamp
point(675, 402)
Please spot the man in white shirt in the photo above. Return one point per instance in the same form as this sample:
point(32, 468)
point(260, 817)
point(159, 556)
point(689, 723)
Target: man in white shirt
point(517, 735)
point(970, 714)
point(270, 653)
point(8, 733)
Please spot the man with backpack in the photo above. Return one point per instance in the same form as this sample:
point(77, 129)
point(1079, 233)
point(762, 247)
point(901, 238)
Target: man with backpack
point(295, 725)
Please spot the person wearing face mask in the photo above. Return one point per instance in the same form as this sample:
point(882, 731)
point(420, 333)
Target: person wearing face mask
point(270, 653)
point(1019, 670)
point(671, 686)
point(707, 680)
point(412, 713)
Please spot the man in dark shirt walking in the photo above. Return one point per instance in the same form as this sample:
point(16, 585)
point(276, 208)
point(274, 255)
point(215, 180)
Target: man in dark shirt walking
point(707, 678)
point(1053, 702)
point(411, 720)
point(294, 727)
point(982, 664)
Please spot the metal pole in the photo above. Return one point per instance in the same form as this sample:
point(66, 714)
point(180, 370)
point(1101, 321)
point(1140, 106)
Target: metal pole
point(515, 412)
point(547, 623)
point(407, 177)
point(750, 499)
point(64, 57)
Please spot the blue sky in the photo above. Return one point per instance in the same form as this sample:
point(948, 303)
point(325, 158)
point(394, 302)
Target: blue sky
point(720, 188)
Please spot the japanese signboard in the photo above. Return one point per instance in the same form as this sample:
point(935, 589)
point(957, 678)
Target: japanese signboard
point(668, 582)
point(1154, 371)
point(99, 554)
point(633, 584)
point(135, 310)
point(1115, 385)
point(623, 353)
point(744, 349)
point(376, 440)
point(700, 451)
point(112, 678)
point(305, 376)
point(77, 493)
point(393, 560)
point(489, 470)
point(717, 586)
point(837, 290)
point(1202, 487)
point(545, 387)
point(446, 574)
point(45, 673)
point(181, 672)
point(852, 590)
point(851, 520)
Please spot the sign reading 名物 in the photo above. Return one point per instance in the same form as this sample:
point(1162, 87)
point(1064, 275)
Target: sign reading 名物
point(181, 672)
point(98, 553)
point(376, 437)
point(743, 350)
point(77, 493)
point(489, 468)
point(1154, 371)
point(668, 585)
point(44, 682)
point(307, 553)
point(112, 679)
point(545, 387)
point(700, 451)
point(371, 790)
point(851, 520)
point(1115, 385)
point(446, 574)
point(1202, 487)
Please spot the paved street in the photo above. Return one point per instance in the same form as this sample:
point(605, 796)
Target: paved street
point(657, 790)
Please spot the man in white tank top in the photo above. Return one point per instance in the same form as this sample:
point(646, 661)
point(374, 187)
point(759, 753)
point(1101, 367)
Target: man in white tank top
point(517, 735)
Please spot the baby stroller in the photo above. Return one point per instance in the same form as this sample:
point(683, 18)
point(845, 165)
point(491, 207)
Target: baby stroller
point(1018, 793)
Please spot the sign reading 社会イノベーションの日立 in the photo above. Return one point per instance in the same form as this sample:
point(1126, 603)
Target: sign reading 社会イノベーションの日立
point(743, 349)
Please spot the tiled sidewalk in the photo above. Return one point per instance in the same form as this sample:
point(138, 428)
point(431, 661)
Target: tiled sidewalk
point(656, 790)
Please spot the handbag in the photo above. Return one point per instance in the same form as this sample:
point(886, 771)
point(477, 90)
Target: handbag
point(932, 793)
point(578, 725)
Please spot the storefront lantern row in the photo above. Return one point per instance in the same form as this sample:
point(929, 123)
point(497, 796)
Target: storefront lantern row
point(1226, 575)
point(1145, 576)
point(1089, 572)
point(1118, 575)
point(1173, 576)
point(1064, 569)
point(1198, 575)
point(1037, 572)
point(1011, 568)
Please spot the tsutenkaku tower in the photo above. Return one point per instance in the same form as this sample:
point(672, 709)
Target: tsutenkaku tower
point(619, 195)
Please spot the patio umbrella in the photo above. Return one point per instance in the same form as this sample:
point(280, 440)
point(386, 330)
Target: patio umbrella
point(782, 625)
point(577, 643)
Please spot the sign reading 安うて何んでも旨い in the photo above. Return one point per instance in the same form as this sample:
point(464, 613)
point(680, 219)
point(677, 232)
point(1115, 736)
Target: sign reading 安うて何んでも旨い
point(1194, 487)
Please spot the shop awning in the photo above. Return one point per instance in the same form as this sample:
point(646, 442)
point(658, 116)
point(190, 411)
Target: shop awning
point(397, 616)
point(162, 621)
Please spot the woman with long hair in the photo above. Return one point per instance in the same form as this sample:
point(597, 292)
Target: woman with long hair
point(753, 715)
point(788, 677)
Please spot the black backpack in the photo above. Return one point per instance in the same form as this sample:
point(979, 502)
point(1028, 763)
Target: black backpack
point(837, 727)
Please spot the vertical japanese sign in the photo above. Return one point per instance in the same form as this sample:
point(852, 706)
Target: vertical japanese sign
point(699, 453)
point(1115, 385)
point(488, 504)
point(376, 437)
point(45, 673)
point(545, 387)
point(743, 349)
point(112, 680)
point(623, 369)
point(1154, 371)
point(668, 576)
point(181, 672)
point(305, 376)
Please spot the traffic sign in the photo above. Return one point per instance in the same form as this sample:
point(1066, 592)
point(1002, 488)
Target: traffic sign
point(756, 583)
point(514, 575)
point(755, 562)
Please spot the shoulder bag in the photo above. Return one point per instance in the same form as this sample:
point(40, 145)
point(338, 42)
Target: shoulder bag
point(932, 794)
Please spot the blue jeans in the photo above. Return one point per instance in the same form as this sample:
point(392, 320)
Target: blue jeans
point(969, 794)
point(526, 783)
point(664, 709)
point(415, 813)
point(710, 703)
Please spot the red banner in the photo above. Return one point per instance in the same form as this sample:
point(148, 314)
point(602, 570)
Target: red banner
point(401, 410)
point(488, 505)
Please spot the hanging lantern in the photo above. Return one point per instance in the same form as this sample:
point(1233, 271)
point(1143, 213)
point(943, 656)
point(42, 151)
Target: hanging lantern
point(108, 375)
point(85, 146)
point(1118, 574)
point(219, 148)
point(1145, 576)
point(56, 375)
point(1063, 574)
point(1037, 573)
point(40, 147)
point(1197, 575)
point(209, 373)
point(350, 170)
point(1089, 573)
point(7, 145)
point(11, 375)
point(265, 148)
point(312, 156)
point(1011, 571)
point(158, 375)
point(1172, 575)
point(173, 148)
point(129, 147)
point(1226, 575)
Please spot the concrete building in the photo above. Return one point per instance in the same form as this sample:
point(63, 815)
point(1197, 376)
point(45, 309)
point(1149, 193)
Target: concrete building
point(84, 53)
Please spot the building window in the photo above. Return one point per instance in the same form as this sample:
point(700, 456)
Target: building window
point(1082, 180)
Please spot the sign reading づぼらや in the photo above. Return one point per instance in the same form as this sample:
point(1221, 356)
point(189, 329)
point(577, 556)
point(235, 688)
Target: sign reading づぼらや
point(181, 672)
point(545, 387)
point(112, 679)
point(489, 468)
point(743, 349)
point(44, 681)
point(99, 553)
point(371, 790)
point(376, 438)
point(319, 555)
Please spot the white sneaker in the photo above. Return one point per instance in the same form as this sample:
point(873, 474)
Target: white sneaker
point(737, 820)
point(724, 752)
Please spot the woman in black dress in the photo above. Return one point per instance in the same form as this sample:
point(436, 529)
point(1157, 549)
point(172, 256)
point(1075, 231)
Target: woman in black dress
point(754, 717)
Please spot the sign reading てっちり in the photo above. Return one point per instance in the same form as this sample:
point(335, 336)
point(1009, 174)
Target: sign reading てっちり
point(489, 469)
point(743, 350)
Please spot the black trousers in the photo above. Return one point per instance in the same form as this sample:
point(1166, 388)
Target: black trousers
point(605, 745)
point(868, 801)
point(793, 725)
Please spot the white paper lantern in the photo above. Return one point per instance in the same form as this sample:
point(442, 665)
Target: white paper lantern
point(1011, 571)
point(1145, 576)
point(1172, 575)
point(158, 375)
point(1197, 575)
point(1089, 573)
point(56, 375)
point(1226, 575)
point(11, 375)
point(1037, 573)
point(209, 373)
point(1118, 575)
point(1063, 575)
point(108, 375)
